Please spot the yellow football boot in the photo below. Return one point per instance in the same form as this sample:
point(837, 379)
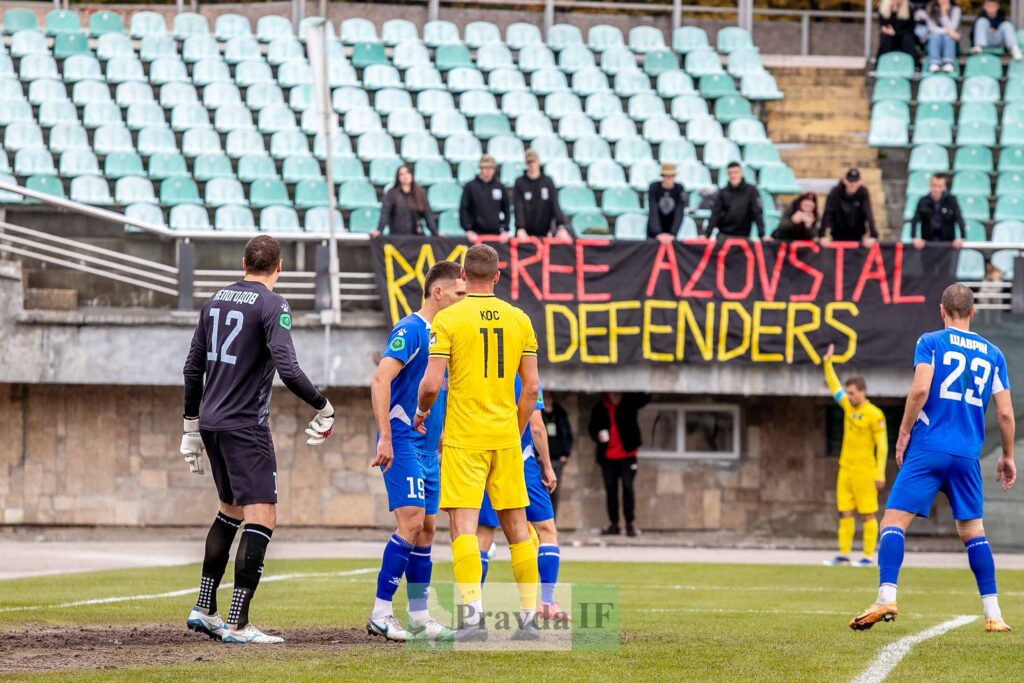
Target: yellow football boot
point(997, 626)
point(874, 614)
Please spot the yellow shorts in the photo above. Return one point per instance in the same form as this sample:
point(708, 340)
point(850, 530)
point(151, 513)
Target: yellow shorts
point(855, 490)
point(467, 472)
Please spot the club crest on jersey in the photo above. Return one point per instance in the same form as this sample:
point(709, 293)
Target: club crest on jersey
point(285, 321)
point(398, 343)
point(433, 338)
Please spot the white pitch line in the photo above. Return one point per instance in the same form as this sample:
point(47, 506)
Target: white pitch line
point(184, 591)
point(890, 655)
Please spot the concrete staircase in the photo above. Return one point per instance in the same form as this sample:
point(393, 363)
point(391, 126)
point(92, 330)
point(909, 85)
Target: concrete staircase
point(821, 128)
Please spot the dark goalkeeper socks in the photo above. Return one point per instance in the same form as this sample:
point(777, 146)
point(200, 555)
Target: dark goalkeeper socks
point(215, 561)
point(252, 549)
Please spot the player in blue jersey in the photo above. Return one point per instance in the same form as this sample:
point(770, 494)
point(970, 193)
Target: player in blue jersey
point(409, 461)
point(540, 483)
point(956, 371)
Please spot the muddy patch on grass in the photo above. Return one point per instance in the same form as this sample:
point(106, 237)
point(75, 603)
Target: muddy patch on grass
point(45, 648)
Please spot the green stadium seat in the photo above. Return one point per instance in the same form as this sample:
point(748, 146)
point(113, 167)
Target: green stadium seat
point(448, 224)
point(745, 62)
point(113, 137)
point(53, 113)
point(189, 24)
point(933, 131)
point(125, 164)
point(895, 64)
point(716, 85)
point(228, 26)
point(646, 39)
point(932, 111)
point(576, 199)
point(233, 218)
point(156, 140)
point(68, 44)
point(658, 62)
point(983, 65)
point(973, 158)
point(970, 266)
point(1010, 182)
point(279, 219)
point(760, 154)
point(892, 88)
point(605, 174)
point(976, 133)
point(918, 182)
point(189, 217)
point(731, 108)
point(894, 109)
point(33, 161)
point(133, 190)
point(779, 180)
point(975, 231)
point(145, 24)
point(1015, 71)
point(978, 112)
point(209, 166)
point(1011, 158)
point(703, 62)
point(462, 147)
point(164, 166)
point(178, 190)
point(383, 170)
point(933, 158)
point(300, 98)
point(1013, 112)
point(431, 171)
point(466, 171)
point(448, 57)
point(444, 195)
point(1009, 207)
point(487, 126)
point(977, 89)
point(268, 192)
point(144, 213)
point(317, 220)
point(975, 206)
point(590, 222)
point(888, 132)
point(970, 182)
point(368, 54)
point(686, 39)
point(50, 184)
point(732, 38)
point(104, 22)
point(364, 220)
point(19, 19)
point(619, 201)
point(604, 37)
point(357, 194)
point(521, 34)
point(762, 87)
point(202, 141)
point(1012, 134)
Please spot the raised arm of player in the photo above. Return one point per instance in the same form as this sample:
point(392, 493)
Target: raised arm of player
point(1006, 470)
point(923, 373)
point(835, 387)
point(531, 387)
point(380, 398)
point(539, 432)
point(430, 386)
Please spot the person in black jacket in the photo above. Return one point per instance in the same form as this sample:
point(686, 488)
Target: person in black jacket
point(896, 19)
point(536, 203)
point(800, 220)
point(666, 204)
point(737, 207)
point(560, 440)
point(405, 207)
point(848, 216)
point(615, 429)
point(993, 29)
point(485, 205)
point(938, 218)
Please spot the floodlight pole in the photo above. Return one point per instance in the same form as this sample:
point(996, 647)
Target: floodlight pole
point(549, 16)
point(677, 14)
point(433, 10)
point(869, 15)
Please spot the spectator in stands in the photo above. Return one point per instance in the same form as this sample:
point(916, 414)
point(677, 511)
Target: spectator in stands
point(560, 439)
point(993, 29)
point(938, 217)
point(485, 205)
point(800, 220)
point(615, 429)
point(666, 202)
point(943, 20)
point(737, 207)
point(848, 216)
point(536, 203)
point(897, 32)
point(405, 208)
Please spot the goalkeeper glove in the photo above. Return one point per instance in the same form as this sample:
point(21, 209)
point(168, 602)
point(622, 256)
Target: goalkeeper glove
point(192, 448)
point(320, 427)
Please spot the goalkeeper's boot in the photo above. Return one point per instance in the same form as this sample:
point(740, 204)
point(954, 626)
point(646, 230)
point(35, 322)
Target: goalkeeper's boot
point(476, 633)
point(249, 634)
point(432, 630)
point(210, 624)
point(528, 631)
point(388, 627)
point(997, 626)
point(874, 614)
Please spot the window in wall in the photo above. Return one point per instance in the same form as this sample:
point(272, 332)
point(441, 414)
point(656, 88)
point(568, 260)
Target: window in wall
point(691, 431)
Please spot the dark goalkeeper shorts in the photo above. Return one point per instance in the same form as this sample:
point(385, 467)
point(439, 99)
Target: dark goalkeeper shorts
point(243, 465)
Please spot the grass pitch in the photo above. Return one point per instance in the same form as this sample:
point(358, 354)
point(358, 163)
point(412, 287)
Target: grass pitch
point(678, 623)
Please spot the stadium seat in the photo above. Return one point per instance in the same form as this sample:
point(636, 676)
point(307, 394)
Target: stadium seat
point(703, 62)
point(260, 95)
point(104, 22)
point(686, 39)
point(536, 59)
point(189, 217)
point(358, 30)
point(209, 166)
point(299, 168)
point(423, 77)
point(599, 106)
point(447, 123)
point(1010, 182)
point(970, 266)
point(973, 157)
point(252, 72)
point(440, 32)
point(976, 133)
point(444, 195)
point(521, 34)
point(133, 92)
point(573, 58)
point(163, 166)
point(688, 107)
point(29, 43)
point(357, 194)
point(476, 102)
point(232, 116)
point(273, 27)
point(620, 200)
point(177, 190)
point(448, 57)
point(672, 84)
point(576, 126)
point(275, 118)
point(133, 190)
point(716, 85)
point(189, 24)
point(294, 72)
point(933, 131)
point(643, 39)
point(590, 222)
point(589, 150)
point(586, 82)
point(199, 47)
point(89, 189)
point(69, 44)
point(943, 89)
point(762, 87)
point(1008, 208)
point(720, 153)
point(532, 124)
point(731, 108)
point(54, 112)
point(33, 161)
point(217, 95)
point(19, 19)
point(373, 145)
point(229, 26)
point(1012, 134)
point(643, 173)
point(363, 220)
point(888, 132)
point(892, 88)
point(660, 62)
point(631, 150)
point(430, 171)
point(368, 54)
point(83, 93)
point(603, 37)
point(917, 183)
point(143, 212)
point(383, 170)
point(933, 158)
point(732, 38)
point(506, 148)
point(36, 67)
point(74, 162)
point(779, 180)
point(142, 114)
point(45, 183)
point(980, 112)
point(317, 220)
point(1008, 231)
point(224, 191)
point(418, 146)
point(168, 70)
point(113, 137)
point(976, 89)
point(466, 171)
point(658, 129)
point(448, 224)
point(493, 56)
point(404, 122)
point(604, 174)
point(185, 116)
point(576, 199)
point(894, 109)
point(895, 64)
point(266, 192)
point(156, 140)
point(67, 136)
point(744, 63)
point(510, 171)
point(233, 217)
point(16, 111)
point(145, 24)
point(976, 207)
point(563, 172)
point(202, 141)
point(462, 147)
point(629, 82)
point(701, 130)
point(983, 65)
point(277, 219)
point(46, 90)
point(643, 106)
point(157, 46)
point(1011, 158)
point(970, 182)
point(942, 111)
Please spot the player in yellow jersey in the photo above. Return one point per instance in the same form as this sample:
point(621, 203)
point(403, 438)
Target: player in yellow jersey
point(861, 462)
point(484, 343)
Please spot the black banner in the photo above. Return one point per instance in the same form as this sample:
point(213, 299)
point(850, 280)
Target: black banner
point(601, 301)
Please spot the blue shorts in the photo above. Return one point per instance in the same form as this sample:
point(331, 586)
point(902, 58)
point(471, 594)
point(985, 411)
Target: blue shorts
point(539, 509)
point(925, 473)
point(413, 480)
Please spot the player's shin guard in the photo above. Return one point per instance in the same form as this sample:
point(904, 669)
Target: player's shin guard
point(890, 558)
point(215, 561)
point(417, 580)
point(549, 558)
point(392, 567)
point(485, 564)
point(870, 537)
point(846, 533)
point(252, 549)
point(979, 555)
point(468, 571)
point(524, 569)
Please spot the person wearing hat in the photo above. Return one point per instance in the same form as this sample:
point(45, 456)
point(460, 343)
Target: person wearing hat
point(485, 205)
point(536, 203)
point(666, 202)
point(848, 216)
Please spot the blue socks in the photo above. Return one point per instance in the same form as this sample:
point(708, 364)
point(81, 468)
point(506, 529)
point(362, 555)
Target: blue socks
point(979, 555)
point(890, 554)
point(548, 560)
point(392, 567)
point(417, 577)
point(485, 562)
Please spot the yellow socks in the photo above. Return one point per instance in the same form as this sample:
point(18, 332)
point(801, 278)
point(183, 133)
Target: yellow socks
point(466, 567)
point(524, 569)
point(846, 532)
point(870, 537)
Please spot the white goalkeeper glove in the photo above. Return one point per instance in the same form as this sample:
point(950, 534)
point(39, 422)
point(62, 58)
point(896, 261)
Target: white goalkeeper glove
point(192, 448)
point(321, 425)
